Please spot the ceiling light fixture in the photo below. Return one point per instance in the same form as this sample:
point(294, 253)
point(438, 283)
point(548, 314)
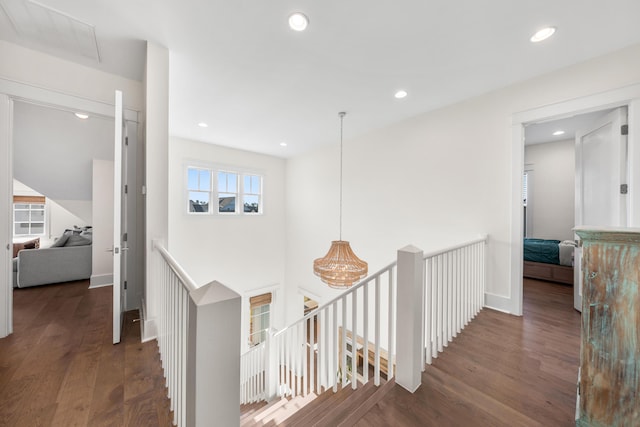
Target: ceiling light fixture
point(82, 116)
point(340, 267)
point(203, 125)
point(401, 94)
point(298, 21)
point(543, 34)
point(558, 133)
point(283, 144)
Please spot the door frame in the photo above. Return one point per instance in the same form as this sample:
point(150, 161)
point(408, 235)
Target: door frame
point(628, 96)
point(15, 91)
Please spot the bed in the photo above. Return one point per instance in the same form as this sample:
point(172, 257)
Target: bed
point(550, 260)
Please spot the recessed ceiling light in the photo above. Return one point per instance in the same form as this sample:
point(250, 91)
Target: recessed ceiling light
point(401, 94)
point(283, 144)
point(203, 125)
point(543, 34)
point(558, 133)
point(298, 21)
point(82, 116)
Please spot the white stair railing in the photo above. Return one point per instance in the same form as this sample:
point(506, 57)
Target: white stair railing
point(454, 293)
point(192, 322)
point(314, 354)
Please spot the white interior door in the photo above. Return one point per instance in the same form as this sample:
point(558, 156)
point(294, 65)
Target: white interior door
point(601, 171)
point(119, 273)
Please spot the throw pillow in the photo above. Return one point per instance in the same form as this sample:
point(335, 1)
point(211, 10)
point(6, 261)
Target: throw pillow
point(77, 240)
point(61, 241)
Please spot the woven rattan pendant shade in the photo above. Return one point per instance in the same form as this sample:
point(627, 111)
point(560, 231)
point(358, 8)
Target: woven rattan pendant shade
point(340, 267)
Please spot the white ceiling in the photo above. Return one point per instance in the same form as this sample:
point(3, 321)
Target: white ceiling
point(540, 133)
point(237, 66)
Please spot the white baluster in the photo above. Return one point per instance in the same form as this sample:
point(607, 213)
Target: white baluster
point(376, 361)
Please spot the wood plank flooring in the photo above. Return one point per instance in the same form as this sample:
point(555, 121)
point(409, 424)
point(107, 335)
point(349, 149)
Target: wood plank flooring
point(59, 367)
point(501, 371)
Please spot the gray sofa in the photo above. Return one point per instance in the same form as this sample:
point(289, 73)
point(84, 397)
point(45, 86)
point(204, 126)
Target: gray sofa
point(33, 267)
point(68, 259)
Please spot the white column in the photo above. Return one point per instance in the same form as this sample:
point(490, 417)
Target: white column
point(213, 357)
point(156, 180)
point(409, 325)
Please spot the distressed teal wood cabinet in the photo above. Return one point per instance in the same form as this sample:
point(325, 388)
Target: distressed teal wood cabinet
point(610, 349)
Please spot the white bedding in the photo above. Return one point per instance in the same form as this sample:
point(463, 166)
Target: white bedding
point(566, 249)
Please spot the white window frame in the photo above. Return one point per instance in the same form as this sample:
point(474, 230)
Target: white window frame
point(248, 192)
point(214, 193)
point(210, 192)
point(30, 209)
point(228, 190)
point(264, 331)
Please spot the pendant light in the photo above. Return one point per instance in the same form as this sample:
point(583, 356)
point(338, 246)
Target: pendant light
point(340, 267)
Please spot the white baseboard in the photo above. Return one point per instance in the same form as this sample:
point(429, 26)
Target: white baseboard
point(148, 327)
point(100, 280)
point(497, 302)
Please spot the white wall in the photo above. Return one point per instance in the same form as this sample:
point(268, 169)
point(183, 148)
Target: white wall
point(102, 260)
point(552, 189)
point(41, 70)
point(245, 253)
point(57, 219)
point(430, 180)
point(53, 152)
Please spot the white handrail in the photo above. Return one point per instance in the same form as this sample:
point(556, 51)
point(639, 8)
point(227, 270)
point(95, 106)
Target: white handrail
point(481, 238)
point(184, 345)
point(352, 289)
point(183, 276)
point(343, 339)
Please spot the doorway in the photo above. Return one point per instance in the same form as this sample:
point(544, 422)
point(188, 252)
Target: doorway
point(629, 97)
point(555, 178)
point(12, 95)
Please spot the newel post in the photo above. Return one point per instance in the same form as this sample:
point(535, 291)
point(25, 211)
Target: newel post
point(213, 357)
point(409, 324)
point(271, 366)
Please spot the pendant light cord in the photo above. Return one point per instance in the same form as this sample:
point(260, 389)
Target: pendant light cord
point(341, 114)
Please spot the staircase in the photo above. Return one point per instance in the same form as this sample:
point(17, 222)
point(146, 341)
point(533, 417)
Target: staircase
point(343, 408)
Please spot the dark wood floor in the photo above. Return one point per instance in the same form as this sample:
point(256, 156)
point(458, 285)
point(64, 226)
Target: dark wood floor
point(501, 371)
point(59, 368)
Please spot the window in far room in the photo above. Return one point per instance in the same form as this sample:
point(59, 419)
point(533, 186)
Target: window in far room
point(199, 188)
point(260, 321)
point(28, 215)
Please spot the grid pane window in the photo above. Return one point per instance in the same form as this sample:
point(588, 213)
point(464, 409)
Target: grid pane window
point(260, 318)
point(236, 193)
point(199, 186)
point(227, 192)
point(28, 219)
point(252, 194)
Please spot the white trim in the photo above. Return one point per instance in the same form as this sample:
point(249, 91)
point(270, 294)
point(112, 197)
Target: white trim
point(58, 100)
point(100, 280)
point(148, 327)
point(624, 96)
point(23, 92)
point(6, 216)
point(498, 302)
